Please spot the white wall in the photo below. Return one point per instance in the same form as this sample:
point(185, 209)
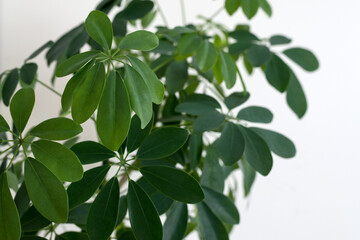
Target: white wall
point(313, 196)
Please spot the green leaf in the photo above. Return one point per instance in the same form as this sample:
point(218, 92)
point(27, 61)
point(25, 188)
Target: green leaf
point(258, 55)
point(188, 44)
point(236, 99)
point(60, 160)
point(32, 238)
point(195, 151)
point(250, 8)
point(87, 95)
point(140, 98)
point(79, 192)
point(176, 222)
point(45, 191)
point(278, 143)
point(79, 214)
point(90, 152)
point(137, 135)
point(303, 57)
point(228, 69)
point(72, 236)
point(22, 200)
point(4, 126)
point(211, 228)
point(13, 181)
point(33, 221)
point(279, 40)
point(277, 73)
point(162, 143)
point(176, 76)
point(114, 113)
point(264, 4)
point(208, 121)
point(153, 83)
point(231, 6)
point(103, 212)
point(28, 72)
point(21, 107)
point(10, 223)
point(39, 50)
point(136, 10)
point(221, 206)
point(119, 25)
point(231, 144)
point(255, 114)
point(122, 209)
point(249, 175)
point(10, 83)
point(148, 19)
point(56, 129)
point(174, 183)
point(206, 55)
point(75, 62)
point(77, 43)
point(99, 27)
point(198, 104)
point(295, 96)
point(139, 40)
point(211, 176)
point(144, 219)
point(257, 151)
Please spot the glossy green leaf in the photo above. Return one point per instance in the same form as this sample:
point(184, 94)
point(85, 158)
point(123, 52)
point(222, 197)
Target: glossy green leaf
point(211, 228)
point(114, 113)
point(303, 57)
point(255, 114)
point(140, 40)
point(28, 72)
point(103, 212)
point(279, 40)
point(231, 144)
point(56, 129)
point(176, 76)
point(21, 107)
point(206, 55)
point(33, 221)
point(60, 160)
point(228, 69)
point(198, 104)
point(162, 143)
point(87, 96)
point(45, 191)
point(257, 151)
point(221, 206)
point(137, 135)
point(91, 152)
point(250, 8)
point(188, 44)
point(40, 49)
point(195, 151)
point(208, 121)
point(173, 182)
point(10, 223)
point(4, 126)
point(236, 99)
point(140, 98)
point(278, 143)
point(99, 27)
point(211, 176)
point(231, 6)
point(10, 83)
point(155, 86)
point(79, 192)
point(22, 200)
point(176, 222)
point(75, 63)
point(264, 4)
point(136, 10)
point(277, 73)
point(79, 214)
point(122, 209)
point(258, 55)
point(144, 219)
point(249, 175)
point(295, 96)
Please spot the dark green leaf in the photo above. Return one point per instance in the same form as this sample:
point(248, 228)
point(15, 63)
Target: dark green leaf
point(148, 19)
point(250, 8)
point(188, 44)
point(279, 40)
point(303, 57)
point(40, 49)
point(208, 121)
point(176, 76)
point(60, 160)
point(266, 7)
point(206, 55)
point(56, 129)
point(236, 99)
point(77, 43)
point(211, 176)
point(75, 63)
point(28, 72)
point(79, 214)
point(144, 218)
point(228, 69)
point(196, 147)
point(164, 47)
point(243, 35)
point(258, 55)
point(277, 73)
point(10, 83)
point(295, 96)
point(79, 192)
point(91, 152)
point(21, 107)
point(46, 192)
point(119, 25)
point(174, 183)
point(162, 143)
point(33, 221)
point(249, 175)
point(176, 222)
point(103, 212)
point(231, 6)
point(10, 223)
point(122, 209)
point(136, 10)
point(198, 104)
point(140, 40)
point(32, 238)
point(137, 135)
point(99, 27)
point(22, 200)
point(106, 5)
point(72, 236)
point(255, 114)
point(4, 126)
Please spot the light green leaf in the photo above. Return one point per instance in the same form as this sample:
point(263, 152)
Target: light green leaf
point(279, 40)
point(139, 40)
point(162, 143)
point(21, 107)
point(148, 19)
point(90, 152)
point(4, 126)
point(295, 96)
point(46, 192)
point(206, 55)
point(255, 114)
point(176, 222)
point(10, 223)
point(258, 55)
point(174, 183)
point(250, 7)
point(75, 62)
point(114, 113)
point(264, 4)
point(236, 99)
point(228, 69)
point(56, 129)
point(140, 98)
point(28, 72)
point(188, 44)
point(231, 6)
point(176, 76)
point(137, 135)
point(208, 121)
point(277, 73)
point(98, 25)
point(303, 57)
point(60, 160)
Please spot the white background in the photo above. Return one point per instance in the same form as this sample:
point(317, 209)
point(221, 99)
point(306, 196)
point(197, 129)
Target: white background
point(313, 196)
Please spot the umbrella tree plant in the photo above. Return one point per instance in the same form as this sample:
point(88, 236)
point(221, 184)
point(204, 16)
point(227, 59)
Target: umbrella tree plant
point(169, 134)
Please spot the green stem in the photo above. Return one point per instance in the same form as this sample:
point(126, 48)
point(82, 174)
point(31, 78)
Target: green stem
point(162, 64)
point(8, 149)
point(14, 134)
point(12, 159)
point(242, 80)
point(48, 87)
point(161, 13)
point(183, 13)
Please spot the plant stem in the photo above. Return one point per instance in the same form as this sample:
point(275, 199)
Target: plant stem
point(14, 134)
point(7, 149)
point(161, 13)
point(48, 87)
point(183, 13)
point(242, 80)
point(162, 64)
point(12, 159)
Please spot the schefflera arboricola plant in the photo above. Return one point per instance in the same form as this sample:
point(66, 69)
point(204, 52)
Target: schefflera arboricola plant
point(164, 148)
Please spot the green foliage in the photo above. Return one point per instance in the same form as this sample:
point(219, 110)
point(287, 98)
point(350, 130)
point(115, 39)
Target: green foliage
point(170, 123)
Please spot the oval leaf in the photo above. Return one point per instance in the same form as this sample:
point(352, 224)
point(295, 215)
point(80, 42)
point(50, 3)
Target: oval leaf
point(295, 96)
point(303, 57)
point(98, 25)
point(208, 121)
point(279, 40)
point(28, 72)
point(277, 73)
point(140, 40)
point(176, 222)
point(206, 55)
point(74, 63)
point(136, 134)
point(250, 8)
point(258, 55)
point(228, 69)
point(10, 83)
point(188, 44)
point(91, 152)
point(21, 107)
point(256, 114)
point(236, 99)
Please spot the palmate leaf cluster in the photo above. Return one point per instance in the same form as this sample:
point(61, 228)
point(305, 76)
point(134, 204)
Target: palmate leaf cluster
point(169, 135)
